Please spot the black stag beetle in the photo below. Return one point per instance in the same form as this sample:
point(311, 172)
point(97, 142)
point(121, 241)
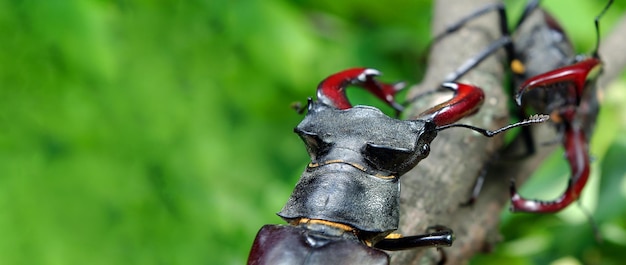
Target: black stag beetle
point(548, 77)
point(345, 206)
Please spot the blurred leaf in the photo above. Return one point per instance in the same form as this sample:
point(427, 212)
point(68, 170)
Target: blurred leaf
point(159, 132)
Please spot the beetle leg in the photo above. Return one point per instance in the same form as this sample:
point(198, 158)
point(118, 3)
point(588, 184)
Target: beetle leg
point(504, 41)
point(576, 152)
point(332, 90)
point(440, 238)
point(478, 183)
point(504, 30)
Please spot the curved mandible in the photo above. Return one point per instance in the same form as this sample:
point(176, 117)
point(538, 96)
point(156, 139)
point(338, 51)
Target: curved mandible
point(577, 154)
point(466, 101)
point(332, 90)
point(577, 73)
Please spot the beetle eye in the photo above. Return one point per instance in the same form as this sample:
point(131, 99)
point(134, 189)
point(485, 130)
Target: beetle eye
point(425, 149)
point(315, 146)
point(386, 157)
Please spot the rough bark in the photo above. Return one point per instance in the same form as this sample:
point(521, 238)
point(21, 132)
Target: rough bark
point(611, 52)
point(433, 191)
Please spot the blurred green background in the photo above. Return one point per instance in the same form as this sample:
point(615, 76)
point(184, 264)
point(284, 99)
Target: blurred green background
point(160, 132)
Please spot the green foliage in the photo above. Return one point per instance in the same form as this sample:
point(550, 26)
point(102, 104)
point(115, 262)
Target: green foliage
point(159, 132)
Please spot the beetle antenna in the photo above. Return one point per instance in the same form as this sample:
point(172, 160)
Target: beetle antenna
point(537, 118)
point(597, 23)
point(594, 225)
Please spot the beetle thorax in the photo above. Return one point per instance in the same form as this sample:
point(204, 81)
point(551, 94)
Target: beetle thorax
point(357, 156)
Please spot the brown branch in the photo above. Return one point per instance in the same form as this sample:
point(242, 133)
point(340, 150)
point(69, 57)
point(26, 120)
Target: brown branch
point(611, 52)
point(433, 191)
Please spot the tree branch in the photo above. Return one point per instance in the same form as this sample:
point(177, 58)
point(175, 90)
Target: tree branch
point(433, 191)
point(610, 52)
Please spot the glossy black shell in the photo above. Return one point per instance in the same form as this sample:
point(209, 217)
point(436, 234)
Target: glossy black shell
point(287, 245)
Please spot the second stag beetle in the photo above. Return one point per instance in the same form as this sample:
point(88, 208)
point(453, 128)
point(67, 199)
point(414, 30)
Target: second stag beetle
point(547, 78)
point(345, 207)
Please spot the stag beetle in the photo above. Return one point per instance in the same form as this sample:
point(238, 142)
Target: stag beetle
point(547, 78)
point(345, 206)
